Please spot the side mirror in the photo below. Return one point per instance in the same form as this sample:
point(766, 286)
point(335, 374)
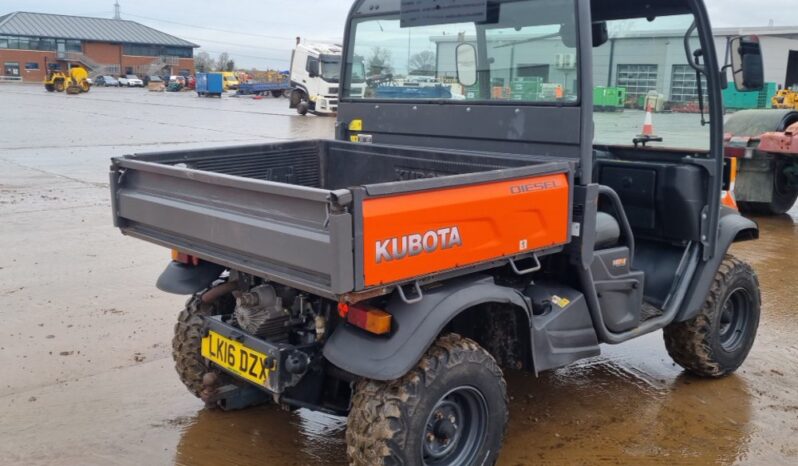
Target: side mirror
point(600, 34)
point(747, 67)
point(466, 64)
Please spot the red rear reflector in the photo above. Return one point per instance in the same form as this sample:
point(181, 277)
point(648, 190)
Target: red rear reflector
point(370, 319)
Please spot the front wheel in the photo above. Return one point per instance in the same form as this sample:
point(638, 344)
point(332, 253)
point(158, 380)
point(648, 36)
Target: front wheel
point(717, 341)
point(451, 409)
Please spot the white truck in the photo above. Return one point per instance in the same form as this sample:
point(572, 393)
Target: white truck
point(315, 74)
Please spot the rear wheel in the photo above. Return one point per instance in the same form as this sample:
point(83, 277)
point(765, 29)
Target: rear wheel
point(187, 341)
point(451, 409)
point(277, 94)
point(717, 340)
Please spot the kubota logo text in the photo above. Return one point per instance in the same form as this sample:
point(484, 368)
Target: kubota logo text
point(415, 244)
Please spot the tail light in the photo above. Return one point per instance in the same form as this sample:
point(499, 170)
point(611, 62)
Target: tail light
point(368, 318)
point(184, 258)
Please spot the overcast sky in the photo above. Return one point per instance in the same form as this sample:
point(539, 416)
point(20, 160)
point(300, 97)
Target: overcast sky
point(261, 33)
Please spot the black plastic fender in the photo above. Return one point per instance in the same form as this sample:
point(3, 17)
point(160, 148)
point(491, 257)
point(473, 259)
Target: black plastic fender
point(188, 279)
point(732, 228)
point(415, 328)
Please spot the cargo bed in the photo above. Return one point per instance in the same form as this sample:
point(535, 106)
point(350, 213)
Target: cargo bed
point(332, 217)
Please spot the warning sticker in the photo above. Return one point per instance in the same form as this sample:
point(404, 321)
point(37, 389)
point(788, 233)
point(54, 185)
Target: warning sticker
point(561, 302)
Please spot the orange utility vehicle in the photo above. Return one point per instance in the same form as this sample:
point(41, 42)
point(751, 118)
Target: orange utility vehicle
point(390, 274)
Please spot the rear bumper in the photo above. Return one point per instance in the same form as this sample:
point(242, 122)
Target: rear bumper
point(287, 363)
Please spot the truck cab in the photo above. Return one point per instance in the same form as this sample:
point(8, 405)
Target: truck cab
point(315, 78)
point(474, 214)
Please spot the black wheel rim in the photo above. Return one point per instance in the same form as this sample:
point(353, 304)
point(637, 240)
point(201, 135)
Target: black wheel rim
point(734, 320)
point(456, 428)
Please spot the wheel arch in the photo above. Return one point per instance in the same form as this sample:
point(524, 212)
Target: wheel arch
point(416, 326)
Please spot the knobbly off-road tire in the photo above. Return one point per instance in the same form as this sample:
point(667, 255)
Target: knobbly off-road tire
point(717, 341)
point(390, 421)
point(187, 340)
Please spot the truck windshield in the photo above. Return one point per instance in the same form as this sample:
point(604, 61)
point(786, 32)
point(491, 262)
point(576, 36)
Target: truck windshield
point(331, 70)
point(643, 67)
point(526, 53)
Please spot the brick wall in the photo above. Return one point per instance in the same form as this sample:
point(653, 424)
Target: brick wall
point(103, 53)
point(27, 56)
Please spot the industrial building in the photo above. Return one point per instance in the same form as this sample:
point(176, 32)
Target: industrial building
point(30, 42)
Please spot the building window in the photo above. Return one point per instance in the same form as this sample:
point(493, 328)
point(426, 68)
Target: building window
point(73, 46)
point(683, 84)
point(46, 44)
point(31, 65)
point(11, 69)
point(29, 43)
point(156, 51)
point(637, 79)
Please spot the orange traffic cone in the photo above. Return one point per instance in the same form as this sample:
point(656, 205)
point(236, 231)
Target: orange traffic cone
point(727, 197)
point(648, 124)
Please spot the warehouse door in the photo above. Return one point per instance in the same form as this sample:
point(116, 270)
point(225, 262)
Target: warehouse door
point(792, 69)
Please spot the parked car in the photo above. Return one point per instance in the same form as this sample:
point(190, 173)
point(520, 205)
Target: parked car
point(156, 84)
point(106, 81)
point(131, 80)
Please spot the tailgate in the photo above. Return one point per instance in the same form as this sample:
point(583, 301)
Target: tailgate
point(295, 234)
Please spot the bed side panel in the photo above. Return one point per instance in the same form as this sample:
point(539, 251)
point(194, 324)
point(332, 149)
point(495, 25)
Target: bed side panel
point(416, 234)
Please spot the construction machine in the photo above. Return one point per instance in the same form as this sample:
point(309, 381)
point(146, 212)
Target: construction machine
point(75, 81)
point(764, 146)
point(786, 99)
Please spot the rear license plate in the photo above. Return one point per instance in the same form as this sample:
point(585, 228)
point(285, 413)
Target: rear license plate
point(236, 358)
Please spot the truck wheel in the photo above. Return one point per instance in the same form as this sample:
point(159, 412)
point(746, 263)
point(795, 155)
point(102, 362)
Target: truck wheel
point(277, 94)
point(295, 98)
point(451, 409)
point(302, 108)
point(717, 340)
point(783, 197)
point(59, 86)
point(187, 341)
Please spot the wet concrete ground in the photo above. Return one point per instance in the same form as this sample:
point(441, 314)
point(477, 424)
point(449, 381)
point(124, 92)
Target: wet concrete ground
point(86, 375)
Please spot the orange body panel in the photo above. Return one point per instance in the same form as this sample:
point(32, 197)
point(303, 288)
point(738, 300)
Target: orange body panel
point(412, 235)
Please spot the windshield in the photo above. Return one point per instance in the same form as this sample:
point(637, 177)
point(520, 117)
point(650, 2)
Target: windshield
point(331, 70)
point(644, 66)
point(132, 76)
point(529, 55)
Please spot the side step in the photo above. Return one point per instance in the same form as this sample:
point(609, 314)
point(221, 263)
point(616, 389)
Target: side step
point(562, 330)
